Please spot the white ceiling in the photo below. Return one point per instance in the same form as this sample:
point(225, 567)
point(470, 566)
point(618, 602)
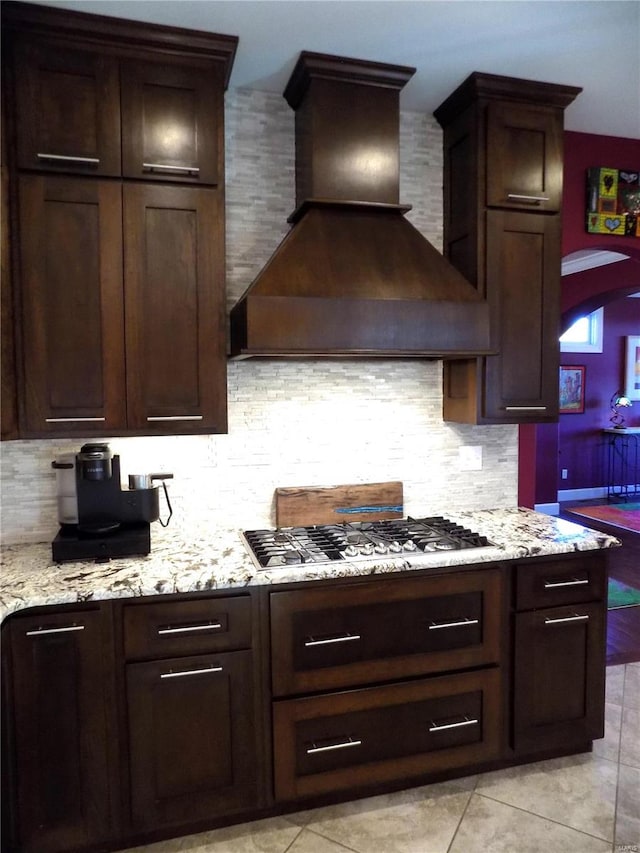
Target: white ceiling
point(594, 44)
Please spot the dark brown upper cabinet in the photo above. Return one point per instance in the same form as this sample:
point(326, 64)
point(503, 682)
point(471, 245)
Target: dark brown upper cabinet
point(77, 109)
point(72, 305)
point(67, 108)
point(526, 174)
point(170, 122)
point(502, 231)
point(116, 263)
point(175, 321)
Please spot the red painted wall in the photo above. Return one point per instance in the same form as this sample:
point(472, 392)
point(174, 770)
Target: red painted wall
point(581, 292)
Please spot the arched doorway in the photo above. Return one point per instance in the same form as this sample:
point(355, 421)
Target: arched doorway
point(582, 292)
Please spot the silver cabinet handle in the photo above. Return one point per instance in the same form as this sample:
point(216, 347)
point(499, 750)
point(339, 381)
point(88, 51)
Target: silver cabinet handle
point(89, 161)
point(344, 638)
point(574, 582)
point(40, 632)
point(162, 167)
point(73, 420)
point(434, 626)
point(177, 418)
point(440, 727)
point(185, 672)
point(210, 626)
point(534, 198)
point(343, 745)
point(525, 408)
point(575, 618)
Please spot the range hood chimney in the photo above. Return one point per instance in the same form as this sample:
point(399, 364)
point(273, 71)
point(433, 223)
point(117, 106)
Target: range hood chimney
point(353, 276)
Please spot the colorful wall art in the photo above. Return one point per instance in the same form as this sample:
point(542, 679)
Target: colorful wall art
point(613, 201)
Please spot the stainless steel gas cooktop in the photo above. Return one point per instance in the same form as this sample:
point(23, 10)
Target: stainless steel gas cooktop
point(416, 541)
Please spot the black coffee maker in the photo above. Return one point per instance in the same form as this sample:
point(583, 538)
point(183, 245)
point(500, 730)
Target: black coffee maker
point(103, 520)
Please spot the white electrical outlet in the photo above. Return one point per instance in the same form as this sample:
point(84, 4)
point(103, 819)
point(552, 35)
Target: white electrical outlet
point(470, 457)
point(565, 473)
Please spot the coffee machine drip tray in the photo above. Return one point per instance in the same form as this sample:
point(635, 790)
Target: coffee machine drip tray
point(128, 540)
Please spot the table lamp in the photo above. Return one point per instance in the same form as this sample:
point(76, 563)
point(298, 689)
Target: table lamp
point(618, 401)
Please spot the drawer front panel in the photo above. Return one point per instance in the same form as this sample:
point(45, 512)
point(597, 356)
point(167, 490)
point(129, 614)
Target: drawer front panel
point(562, 581)
point(187, 627)
point(324, 638)
point(377, 734)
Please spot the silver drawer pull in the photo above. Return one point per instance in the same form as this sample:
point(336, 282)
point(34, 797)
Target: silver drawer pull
point(536, 199)
point(575, 618)
point(165, 167)
point(440, 727)
point(88, 161)
point(344, 638)
point(40, 632)
point(344, 745)
point(525, 408)
point(574, 582)
point(182, 674)
point(210, 626)
point(73, 420)
point(177, 418)
point(434, 626)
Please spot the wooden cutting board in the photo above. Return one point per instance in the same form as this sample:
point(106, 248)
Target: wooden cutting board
point(306, 505)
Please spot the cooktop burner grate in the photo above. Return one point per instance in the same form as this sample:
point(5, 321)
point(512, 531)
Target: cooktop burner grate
point(327, 543)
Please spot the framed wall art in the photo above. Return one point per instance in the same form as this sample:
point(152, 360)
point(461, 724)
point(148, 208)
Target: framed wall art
point(613, 201)
point(572, 389)
point(632, 368)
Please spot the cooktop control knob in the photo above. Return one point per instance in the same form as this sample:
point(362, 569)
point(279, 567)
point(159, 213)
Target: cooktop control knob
point(409, 545)
point(351, 551)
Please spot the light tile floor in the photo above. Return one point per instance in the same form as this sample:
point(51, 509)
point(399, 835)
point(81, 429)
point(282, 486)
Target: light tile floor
point(587, 803)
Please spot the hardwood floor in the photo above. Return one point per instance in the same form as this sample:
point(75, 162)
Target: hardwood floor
point(623, 625)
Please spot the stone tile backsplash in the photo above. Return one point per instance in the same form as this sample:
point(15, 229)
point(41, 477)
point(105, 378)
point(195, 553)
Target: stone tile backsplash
point(303, 421)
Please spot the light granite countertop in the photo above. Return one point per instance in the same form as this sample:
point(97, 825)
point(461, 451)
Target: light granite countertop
point(207, 559)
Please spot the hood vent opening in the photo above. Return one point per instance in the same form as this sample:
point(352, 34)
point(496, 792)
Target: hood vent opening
point(353, 276)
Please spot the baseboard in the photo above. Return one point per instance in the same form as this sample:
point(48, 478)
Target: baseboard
point(548, 509)
point(582, 494)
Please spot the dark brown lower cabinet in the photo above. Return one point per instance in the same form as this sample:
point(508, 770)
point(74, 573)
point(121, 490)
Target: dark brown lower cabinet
point(60, 731)
point(125, 722)
point(380, 734)
point(559, 677)
point(191, 739)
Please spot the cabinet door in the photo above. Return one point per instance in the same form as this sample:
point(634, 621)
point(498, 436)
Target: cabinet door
point(172, 122)
point(68, 109)
point(72, 306)
point(524, 157)
point(523, 287)
point(559, 671)
point(191, 738)
point(175, 327)
point(60, 723)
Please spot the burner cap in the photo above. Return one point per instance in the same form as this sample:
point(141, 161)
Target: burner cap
point(291, 557)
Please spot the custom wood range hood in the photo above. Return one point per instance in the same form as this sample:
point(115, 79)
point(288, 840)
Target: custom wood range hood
point(353, 276)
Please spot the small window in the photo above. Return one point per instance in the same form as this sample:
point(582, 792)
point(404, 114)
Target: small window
point(585, 335)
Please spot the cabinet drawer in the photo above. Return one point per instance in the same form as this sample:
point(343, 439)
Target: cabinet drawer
point(187, 627)
point(562, 581)
point(347, 635)
point(363, 737)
